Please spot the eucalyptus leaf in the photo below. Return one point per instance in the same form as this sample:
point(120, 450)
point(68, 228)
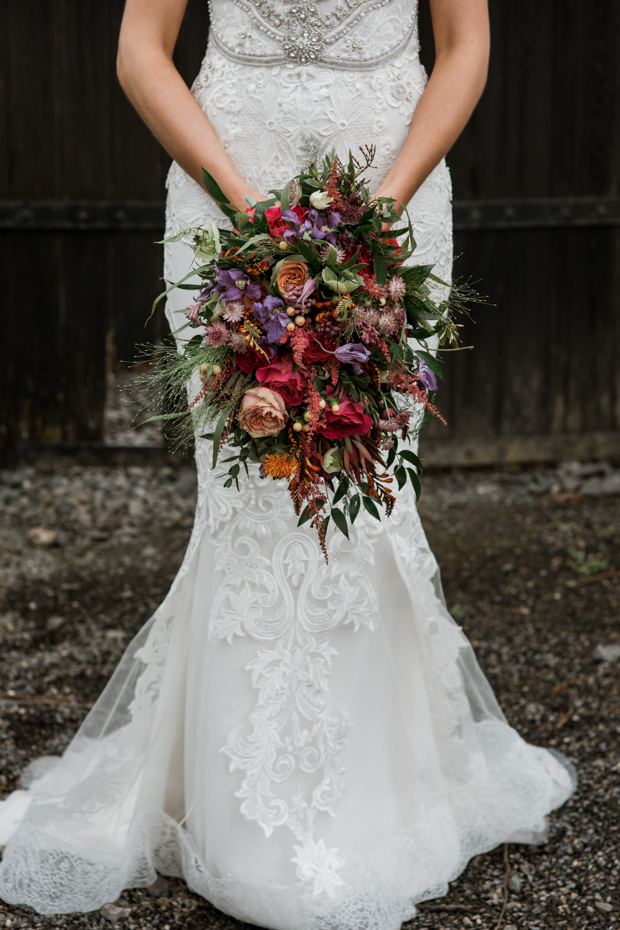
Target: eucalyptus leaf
point(340, 520)
point(412, 457)
point(371, 507)
point(380, 270)
point(342, 490)
point(415, 482)
point(284, 199)
point(307, 253)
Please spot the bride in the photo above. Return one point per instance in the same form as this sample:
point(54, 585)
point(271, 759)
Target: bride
point(310, 747)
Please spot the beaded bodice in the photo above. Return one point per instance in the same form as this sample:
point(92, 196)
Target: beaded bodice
point(344, 34)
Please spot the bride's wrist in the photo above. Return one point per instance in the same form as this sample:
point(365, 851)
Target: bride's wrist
point(236, 189)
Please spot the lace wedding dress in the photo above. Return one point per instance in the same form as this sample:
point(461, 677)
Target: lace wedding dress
point(311, 747)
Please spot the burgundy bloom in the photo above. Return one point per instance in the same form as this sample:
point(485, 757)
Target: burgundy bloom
point(249, 360)
point(349, 419)
point(319, 351)
point(279, 376)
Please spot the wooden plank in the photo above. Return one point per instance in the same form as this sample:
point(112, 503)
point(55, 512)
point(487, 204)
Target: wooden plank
point(84, 272)
point(546, 357)
point(30, 356)
point(81, 97)
point(32, 128)
point(138, 164)
point(136, 281)
point(4, 98)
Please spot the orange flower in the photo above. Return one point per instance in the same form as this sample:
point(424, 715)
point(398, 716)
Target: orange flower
point(279, 466)
point(293, 274)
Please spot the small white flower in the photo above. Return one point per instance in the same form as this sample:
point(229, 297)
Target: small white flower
point(320, 200)
point(318, 864)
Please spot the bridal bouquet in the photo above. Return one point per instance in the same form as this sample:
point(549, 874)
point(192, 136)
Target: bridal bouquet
point(303, 319)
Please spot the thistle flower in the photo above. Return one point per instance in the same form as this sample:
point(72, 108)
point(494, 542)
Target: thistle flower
point(396, 288)
point(387, 324)
point(233, 310)
point(238, 343)
point(217, 334)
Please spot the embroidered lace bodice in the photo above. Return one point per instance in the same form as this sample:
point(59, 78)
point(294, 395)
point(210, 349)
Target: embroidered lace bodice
point(342, 34)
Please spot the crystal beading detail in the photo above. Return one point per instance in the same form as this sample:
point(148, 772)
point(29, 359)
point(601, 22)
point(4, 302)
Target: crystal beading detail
point(294, 31)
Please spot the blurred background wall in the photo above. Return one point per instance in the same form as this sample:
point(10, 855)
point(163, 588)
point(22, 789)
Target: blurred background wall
point(537, 218)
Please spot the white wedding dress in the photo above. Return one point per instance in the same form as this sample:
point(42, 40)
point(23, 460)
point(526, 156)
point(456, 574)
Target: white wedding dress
point(311, 747)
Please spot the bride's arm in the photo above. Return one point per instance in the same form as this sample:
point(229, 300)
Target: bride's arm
point(461, 30)
point(158, 92)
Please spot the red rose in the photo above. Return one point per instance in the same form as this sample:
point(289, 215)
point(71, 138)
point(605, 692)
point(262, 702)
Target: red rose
point(277, 226)
point(314, 353)
point(249, 360)
point(349, 419)
point(280, 377)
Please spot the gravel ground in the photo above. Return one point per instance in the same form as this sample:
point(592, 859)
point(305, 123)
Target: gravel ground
point(531, 569)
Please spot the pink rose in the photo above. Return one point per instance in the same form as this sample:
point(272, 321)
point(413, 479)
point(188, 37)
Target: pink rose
point(262, 413)
point(349, 419)
point(279, 376)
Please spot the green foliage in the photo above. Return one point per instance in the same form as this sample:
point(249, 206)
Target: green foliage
point(582, 565)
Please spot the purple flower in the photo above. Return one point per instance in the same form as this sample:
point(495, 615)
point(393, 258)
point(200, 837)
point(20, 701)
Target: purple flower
point(275, 328)
point(351, 354)
point(263, 310)
point(327, 226)
point(207, 290)
point(316, 224)
point(426, 376)
point(233, 284)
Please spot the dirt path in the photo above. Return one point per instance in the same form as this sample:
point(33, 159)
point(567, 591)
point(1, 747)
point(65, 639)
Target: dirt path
point(530, 569)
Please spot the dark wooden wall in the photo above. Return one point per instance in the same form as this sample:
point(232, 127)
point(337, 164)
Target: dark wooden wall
point(77, 292)
point(537, 212)
point(539, 164)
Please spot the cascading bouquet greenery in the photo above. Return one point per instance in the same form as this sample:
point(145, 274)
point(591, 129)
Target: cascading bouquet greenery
point(304, 314)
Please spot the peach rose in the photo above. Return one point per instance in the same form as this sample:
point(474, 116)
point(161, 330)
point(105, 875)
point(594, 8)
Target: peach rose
point(262, 413)
point(292, 274)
